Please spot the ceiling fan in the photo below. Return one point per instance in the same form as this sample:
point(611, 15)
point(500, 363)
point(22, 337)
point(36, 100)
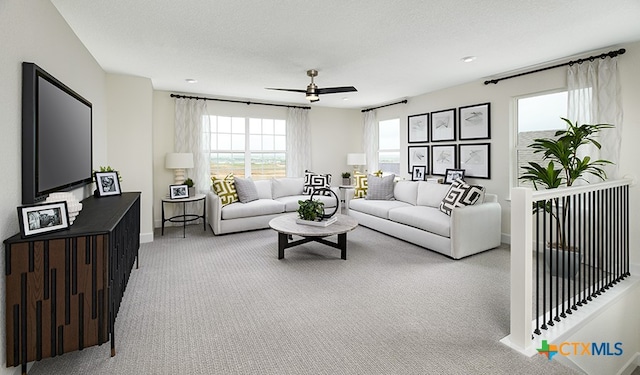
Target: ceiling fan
point(312, 92)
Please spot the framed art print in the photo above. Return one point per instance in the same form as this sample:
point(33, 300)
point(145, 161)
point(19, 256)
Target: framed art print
point(418, 128)
point(443, 157)
point(443, 125)
point(452, 175)
point(475, 121)
point(107, 183)
point(475, 159)
point(418, 155)
point(43, 218)
point(418, 173)
point(178, 191)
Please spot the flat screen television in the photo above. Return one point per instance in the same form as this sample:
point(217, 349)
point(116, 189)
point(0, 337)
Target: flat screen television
point(57, 146)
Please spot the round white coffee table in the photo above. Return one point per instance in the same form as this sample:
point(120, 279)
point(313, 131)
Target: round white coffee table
point(286, 226)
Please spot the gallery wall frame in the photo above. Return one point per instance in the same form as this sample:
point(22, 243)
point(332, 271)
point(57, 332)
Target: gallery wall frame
point(418, 128)
point(475, 159)
point(474, 122)
point(418, 155)
point(442, 127)
point(443, 157)
point(43, 218)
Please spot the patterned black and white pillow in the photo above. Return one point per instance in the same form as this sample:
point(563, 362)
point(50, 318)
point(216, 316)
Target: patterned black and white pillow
point(460, 194)
point(314, 181)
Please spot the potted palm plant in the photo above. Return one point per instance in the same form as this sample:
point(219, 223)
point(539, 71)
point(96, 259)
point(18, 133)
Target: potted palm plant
point(565, 167)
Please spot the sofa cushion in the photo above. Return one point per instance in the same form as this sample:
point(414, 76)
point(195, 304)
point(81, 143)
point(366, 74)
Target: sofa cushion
point(406, 191)
point(255, 208)
point(246, 189)
point(225, 189)
point(377, 208)
point(431, 194)
point(313, 181)
point(360, 190)
point(426, 218)
point(264, 189)
point(460, 194)
point(380, 188)
point(282, 187)
point(291, 202)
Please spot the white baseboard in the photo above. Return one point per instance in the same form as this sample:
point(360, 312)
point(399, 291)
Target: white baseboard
point(505, 238)
point(146, 237)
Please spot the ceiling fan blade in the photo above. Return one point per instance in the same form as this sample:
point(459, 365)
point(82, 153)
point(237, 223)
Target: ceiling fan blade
point(292, 90)
point(334, 90)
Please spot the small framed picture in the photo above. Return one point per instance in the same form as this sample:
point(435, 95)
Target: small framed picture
point(443, 157)
point(43, 218)
point(418, 173)
point(475, 159)
point(107, 183)
point(418, 155)
point(475, 121)
point(418, 128)
point(443, 125)
point(178, 191)
point(453, 174)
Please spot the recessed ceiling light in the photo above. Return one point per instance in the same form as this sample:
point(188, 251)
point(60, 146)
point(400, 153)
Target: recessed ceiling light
point(191, 80)
point(345, 98)
point(468, 59)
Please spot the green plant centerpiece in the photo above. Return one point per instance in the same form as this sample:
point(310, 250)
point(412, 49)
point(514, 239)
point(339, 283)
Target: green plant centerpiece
point(564, 168)
point(312, 210)
point(189, 182)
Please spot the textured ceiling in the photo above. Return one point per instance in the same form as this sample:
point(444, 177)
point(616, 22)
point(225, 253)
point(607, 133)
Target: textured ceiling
point(388, 50)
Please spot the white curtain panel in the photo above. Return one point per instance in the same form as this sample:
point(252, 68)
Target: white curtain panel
point(192, 118)
point(371, 139)
point(595, 98)
point(298, 142)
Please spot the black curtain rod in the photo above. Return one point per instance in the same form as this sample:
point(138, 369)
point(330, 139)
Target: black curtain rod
point(386, 105)
point(235, 101)
point(611, 54)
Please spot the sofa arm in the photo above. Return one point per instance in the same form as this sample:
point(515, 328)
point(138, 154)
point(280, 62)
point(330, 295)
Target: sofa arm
point(214, 211)
point(475, 228)
point(349, 193)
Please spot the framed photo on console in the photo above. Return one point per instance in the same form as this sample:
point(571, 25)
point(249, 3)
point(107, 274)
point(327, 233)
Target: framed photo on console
point(107, 183)
point(418, 128)
point(443, 125)
point(418, 173)
point(43, 218)
point(178, 191)
point(475, 121)
point(452, 175)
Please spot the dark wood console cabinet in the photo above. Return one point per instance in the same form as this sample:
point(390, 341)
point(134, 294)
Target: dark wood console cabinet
point(63, 289)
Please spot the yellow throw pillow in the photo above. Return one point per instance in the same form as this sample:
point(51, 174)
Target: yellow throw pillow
point(361, 185)
point(225, 188)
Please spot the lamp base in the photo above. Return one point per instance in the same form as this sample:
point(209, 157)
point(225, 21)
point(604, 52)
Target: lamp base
point(179, 176)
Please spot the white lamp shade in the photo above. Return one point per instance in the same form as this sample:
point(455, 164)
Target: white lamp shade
point(178, 160)
point(356, 159)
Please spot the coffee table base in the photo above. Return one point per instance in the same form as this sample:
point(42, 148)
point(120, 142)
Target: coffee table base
point(283, 243)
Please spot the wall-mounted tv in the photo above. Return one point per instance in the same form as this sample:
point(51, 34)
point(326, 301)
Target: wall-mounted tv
point(57, 146)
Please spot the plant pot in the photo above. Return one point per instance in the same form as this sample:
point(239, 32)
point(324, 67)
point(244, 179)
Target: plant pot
point(192, 191)
point(562, 263)
point(346, 181)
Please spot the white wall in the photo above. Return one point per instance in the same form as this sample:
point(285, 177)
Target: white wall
point(129, 139)
point(32, 30)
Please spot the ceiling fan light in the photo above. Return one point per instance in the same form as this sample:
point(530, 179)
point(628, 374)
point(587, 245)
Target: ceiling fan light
point(312, 97)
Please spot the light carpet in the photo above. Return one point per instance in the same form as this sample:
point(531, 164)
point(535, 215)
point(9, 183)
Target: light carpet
point(227, 305)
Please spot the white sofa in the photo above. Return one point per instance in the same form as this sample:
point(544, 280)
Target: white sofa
point(276, 196)
point(413, 215)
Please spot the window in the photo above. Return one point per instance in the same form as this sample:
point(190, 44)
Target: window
point(389, 146)
point(537, 117)
point(247, 147)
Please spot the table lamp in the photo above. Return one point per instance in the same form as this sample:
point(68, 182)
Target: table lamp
point(178, 161)
point(356, 160)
